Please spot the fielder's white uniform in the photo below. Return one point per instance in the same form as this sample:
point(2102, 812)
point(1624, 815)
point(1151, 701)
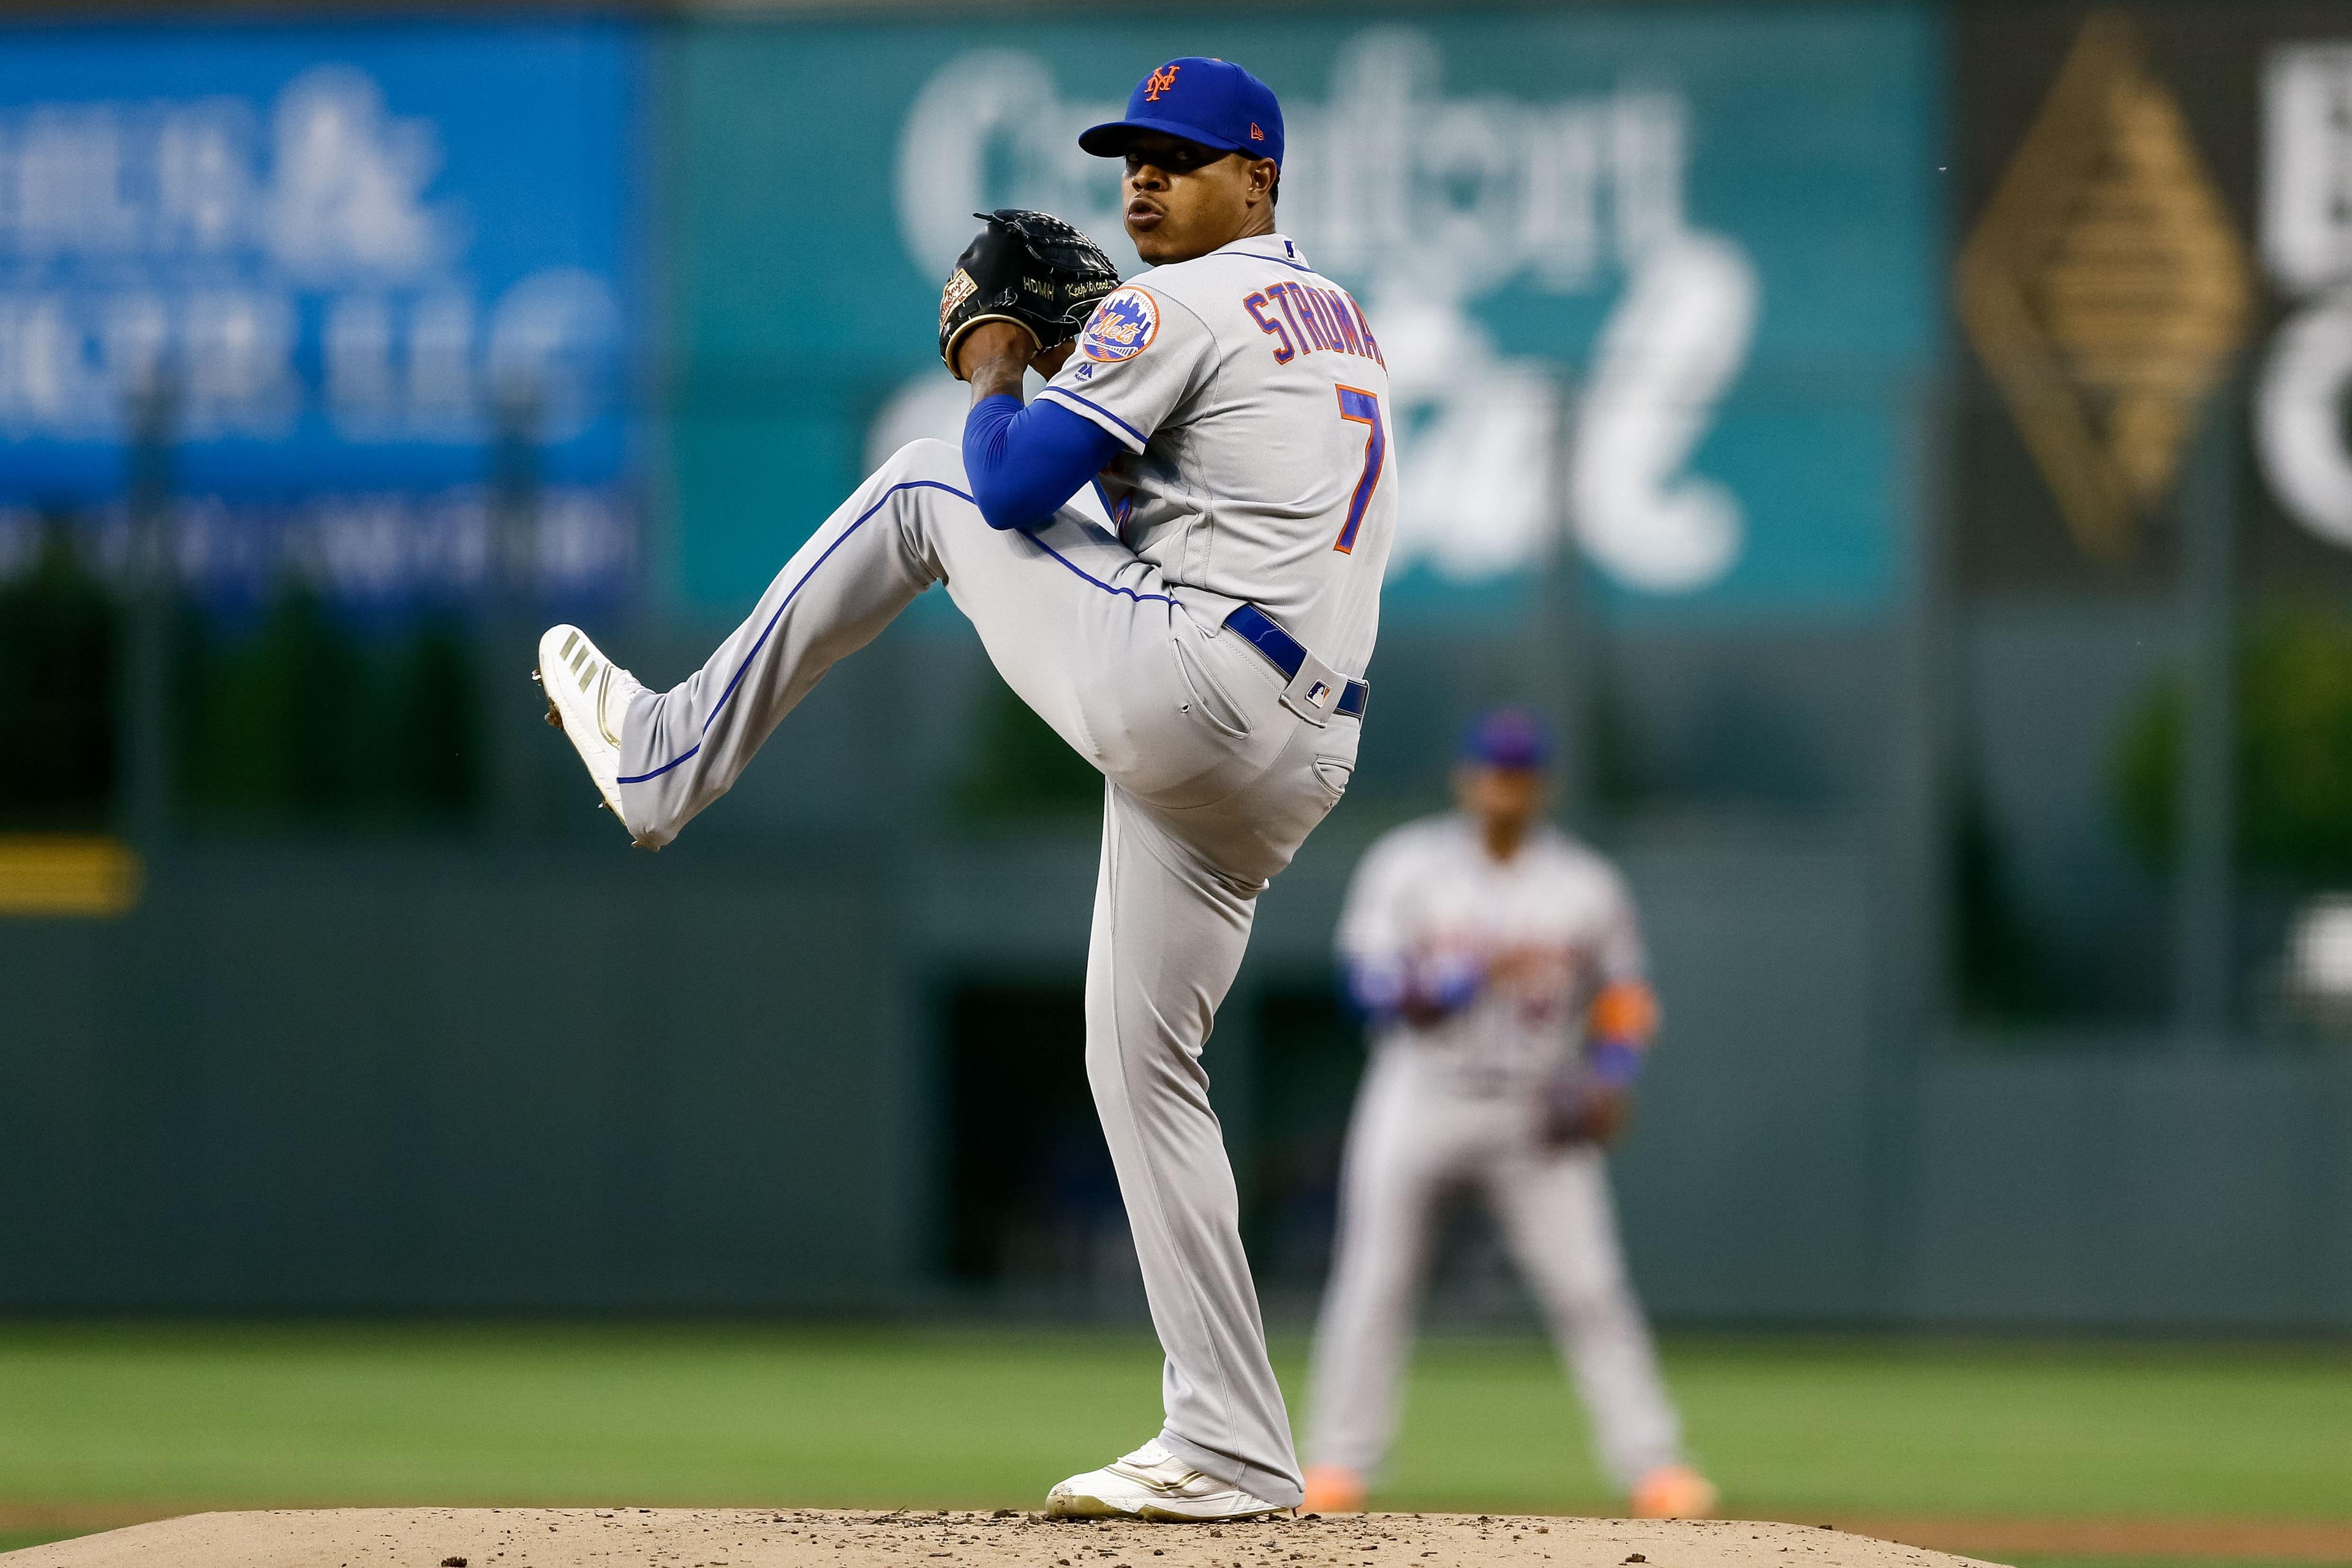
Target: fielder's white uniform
point(1454, 1106)
point(1253, 402)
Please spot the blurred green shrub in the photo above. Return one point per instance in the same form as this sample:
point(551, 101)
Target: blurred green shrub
point(2000, 973)
point(2293, 763)
point(303, 720)
point(1021, 771)
point(59, 669)
point(299, 718)
point(270, 722)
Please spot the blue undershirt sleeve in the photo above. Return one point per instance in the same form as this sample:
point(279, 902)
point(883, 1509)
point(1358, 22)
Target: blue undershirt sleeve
point(1381, 991)
point(1023, 462)
point(1616, 1062)
point(1374, 990)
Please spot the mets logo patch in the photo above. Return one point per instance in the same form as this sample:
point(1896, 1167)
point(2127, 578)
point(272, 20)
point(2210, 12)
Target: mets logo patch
point(1122, 326)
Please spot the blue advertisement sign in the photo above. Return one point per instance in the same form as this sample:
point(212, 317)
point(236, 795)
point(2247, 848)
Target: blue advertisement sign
point(1669, 279)
point(344, 273)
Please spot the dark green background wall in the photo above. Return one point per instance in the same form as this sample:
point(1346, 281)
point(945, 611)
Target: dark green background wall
point(512, 1065)
point(521, 1072)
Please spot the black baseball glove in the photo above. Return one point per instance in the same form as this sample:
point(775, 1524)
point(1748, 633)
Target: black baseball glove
point(1026, 267)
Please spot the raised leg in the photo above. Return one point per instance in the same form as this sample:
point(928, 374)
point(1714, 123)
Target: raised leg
point(1083, 631)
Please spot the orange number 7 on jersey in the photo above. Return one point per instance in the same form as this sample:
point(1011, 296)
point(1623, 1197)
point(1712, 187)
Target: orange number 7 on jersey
point(1363, 408)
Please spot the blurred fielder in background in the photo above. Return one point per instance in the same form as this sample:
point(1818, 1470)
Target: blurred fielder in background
point(1499, 964)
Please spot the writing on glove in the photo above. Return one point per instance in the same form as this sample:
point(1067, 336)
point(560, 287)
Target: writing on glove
point(1027, 268)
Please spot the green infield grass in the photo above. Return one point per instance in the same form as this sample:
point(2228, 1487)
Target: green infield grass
point(176, 1417)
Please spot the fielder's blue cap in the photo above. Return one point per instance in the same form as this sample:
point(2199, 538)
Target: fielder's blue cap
point(1213, 102)
point(1508, 738)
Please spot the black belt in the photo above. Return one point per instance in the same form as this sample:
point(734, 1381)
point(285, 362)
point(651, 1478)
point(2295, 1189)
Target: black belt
point(1313, 697)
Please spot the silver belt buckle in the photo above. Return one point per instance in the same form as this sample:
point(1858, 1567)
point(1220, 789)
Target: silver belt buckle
point(1314, 692)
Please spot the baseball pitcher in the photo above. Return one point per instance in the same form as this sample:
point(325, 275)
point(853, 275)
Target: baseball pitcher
point(1230, 406)
point(1501, 969)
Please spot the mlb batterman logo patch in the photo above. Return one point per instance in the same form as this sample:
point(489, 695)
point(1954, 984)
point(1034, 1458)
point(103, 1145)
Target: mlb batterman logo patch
point(1122, 326)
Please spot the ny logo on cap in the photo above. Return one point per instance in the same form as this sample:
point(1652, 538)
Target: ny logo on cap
point(1160, 81)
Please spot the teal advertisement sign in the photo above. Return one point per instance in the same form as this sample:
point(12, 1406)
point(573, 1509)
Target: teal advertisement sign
point(1669, 279)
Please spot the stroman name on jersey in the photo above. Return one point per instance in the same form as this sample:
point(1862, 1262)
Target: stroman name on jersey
point(1324, 319)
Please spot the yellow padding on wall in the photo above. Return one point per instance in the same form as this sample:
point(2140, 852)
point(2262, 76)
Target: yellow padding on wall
point(57, 875)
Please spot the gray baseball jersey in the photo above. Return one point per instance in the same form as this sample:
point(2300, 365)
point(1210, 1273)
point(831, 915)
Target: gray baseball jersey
point(1428, 897)
point(1452, 1106)
point(1250, 476)
point(1253, 400)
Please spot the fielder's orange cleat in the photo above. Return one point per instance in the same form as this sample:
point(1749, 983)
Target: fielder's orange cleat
point(1333, 1489)
point(1671, 1491)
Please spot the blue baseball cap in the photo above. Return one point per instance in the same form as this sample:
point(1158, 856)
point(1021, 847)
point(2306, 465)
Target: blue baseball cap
point(1508, 738)
point(1213, 102)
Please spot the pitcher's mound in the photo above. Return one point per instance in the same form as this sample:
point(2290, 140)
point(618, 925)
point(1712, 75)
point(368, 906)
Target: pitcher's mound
point(790, 1538)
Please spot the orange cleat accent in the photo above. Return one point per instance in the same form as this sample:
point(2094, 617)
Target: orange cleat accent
point(1673, 1491)
point(1333, 1489)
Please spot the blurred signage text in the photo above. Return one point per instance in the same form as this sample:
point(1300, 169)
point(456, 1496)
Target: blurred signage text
point(335, 271)
point(2304, 397)
point(1666, 282)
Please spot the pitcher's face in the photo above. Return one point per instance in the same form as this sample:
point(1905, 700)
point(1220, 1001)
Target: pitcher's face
point(1185, 200)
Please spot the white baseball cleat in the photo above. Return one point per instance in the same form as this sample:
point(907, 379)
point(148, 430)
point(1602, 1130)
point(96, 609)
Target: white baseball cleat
point(586, 696)
point(1153, 1484)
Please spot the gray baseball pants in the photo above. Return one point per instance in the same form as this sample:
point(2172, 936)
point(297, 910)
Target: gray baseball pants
point(1212, 783)
point(1417, 1136)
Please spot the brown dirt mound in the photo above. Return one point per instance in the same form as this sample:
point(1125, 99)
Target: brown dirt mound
point(745, 1538)
point(2265, 1540)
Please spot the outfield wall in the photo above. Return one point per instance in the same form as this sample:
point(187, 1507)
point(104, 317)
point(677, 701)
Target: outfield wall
point(309, 1077)
point(1977, 975)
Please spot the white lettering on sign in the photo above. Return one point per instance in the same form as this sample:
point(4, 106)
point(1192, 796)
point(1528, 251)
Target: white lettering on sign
point(2299, 415)
point(194, 236)
point(2306, 382)
point(1434, 202)
point(2308, 165)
